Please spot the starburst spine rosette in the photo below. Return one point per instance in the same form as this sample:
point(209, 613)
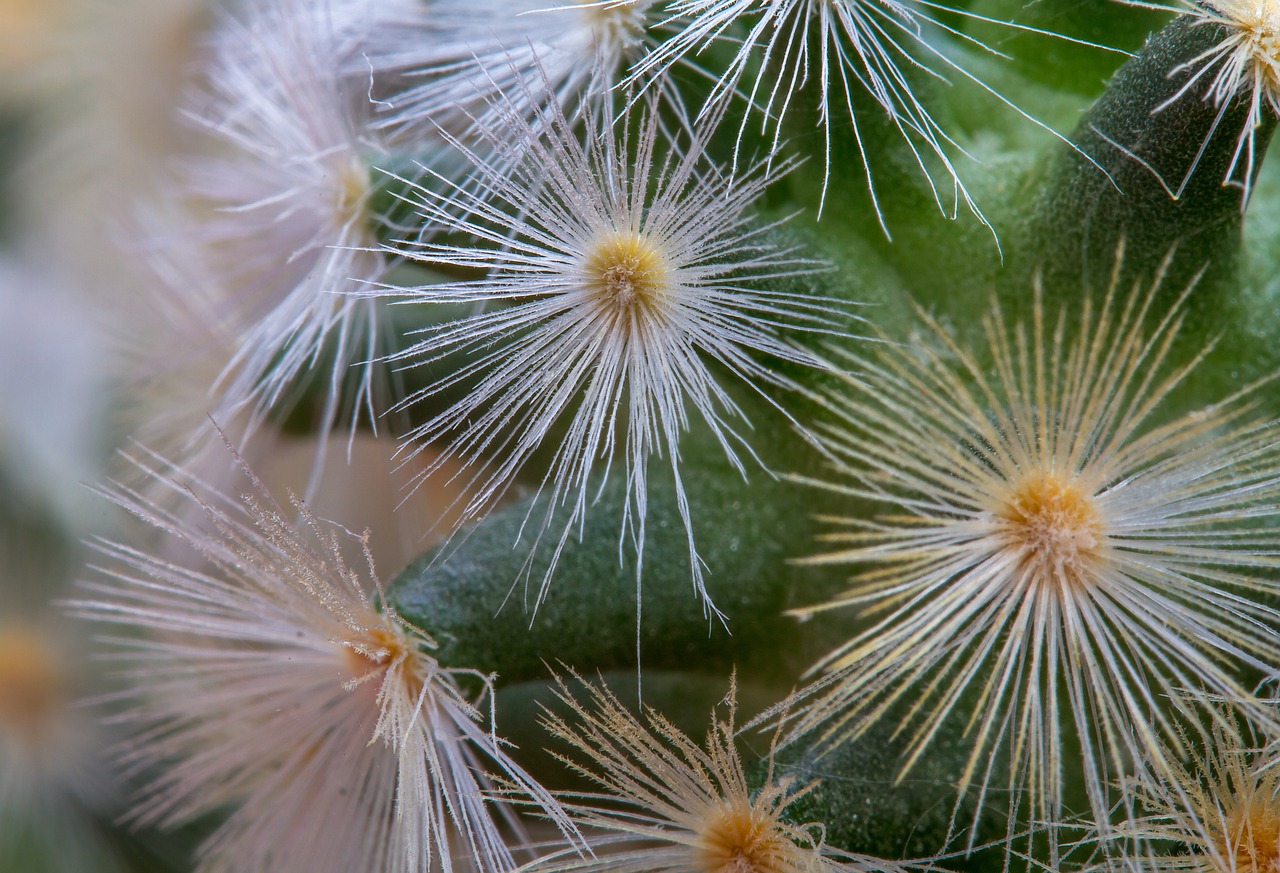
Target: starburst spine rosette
point(1220, 813)
point(262, 673)
point(863, 46)
point(1057, 566)
point(616, 276)
point(671, 805)
point(281, 220)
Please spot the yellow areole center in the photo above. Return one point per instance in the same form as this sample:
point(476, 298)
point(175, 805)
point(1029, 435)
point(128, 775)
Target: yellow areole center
point(1055, 526)
point(626, 274)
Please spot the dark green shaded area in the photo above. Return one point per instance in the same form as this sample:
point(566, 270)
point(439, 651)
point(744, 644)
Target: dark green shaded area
point(475, 596)
point(1064, 64)
point(869, 807)
point(1158, 184)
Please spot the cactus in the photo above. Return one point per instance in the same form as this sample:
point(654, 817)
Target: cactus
point(897, 371)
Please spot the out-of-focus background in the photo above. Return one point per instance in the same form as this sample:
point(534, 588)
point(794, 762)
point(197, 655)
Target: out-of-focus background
point(89, 122)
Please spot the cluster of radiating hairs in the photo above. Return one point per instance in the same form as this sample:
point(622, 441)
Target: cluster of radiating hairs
point(1218, 811)
point(668, 804)
point(547, 151)
point(620, 276)
point(299, 106)
point(1061, 570)
point(275, 678)
point(1052, 562)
